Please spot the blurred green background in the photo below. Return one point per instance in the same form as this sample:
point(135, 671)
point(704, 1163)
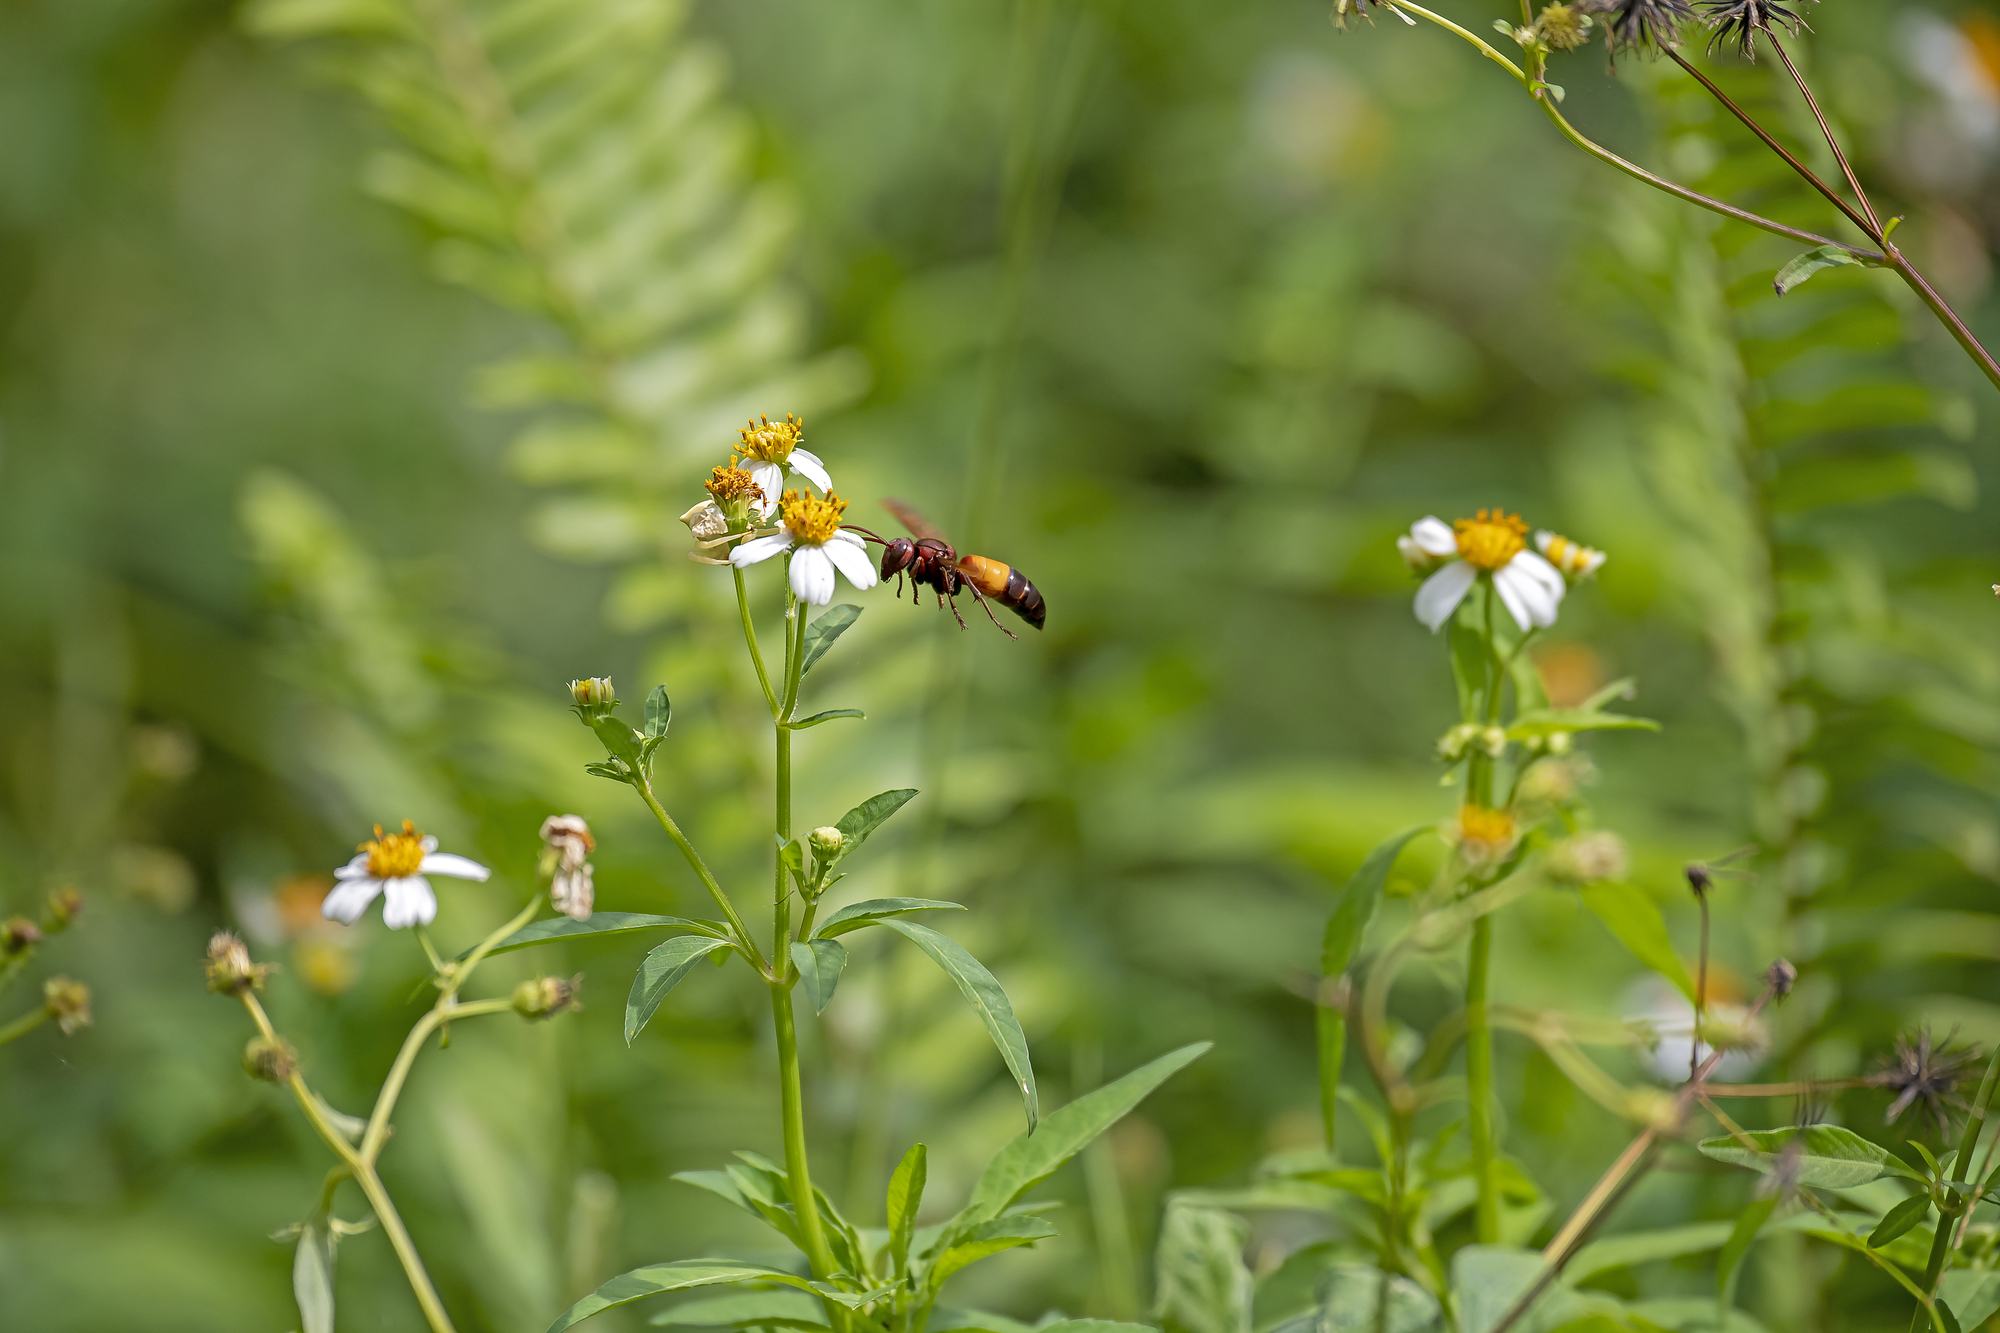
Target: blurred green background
point(1188, 309)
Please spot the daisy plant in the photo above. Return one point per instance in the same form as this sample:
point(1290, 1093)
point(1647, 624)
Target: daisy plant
point(61, 1000)
point(395, 867)
point(771, 518)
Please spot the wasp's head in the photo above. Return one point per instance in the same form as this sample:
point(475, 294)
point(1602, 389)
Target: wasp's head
point(897, 556)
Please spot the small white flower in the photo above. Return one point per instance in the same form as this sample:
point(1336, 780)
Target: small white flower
point(810, 530)
point(1492, 543)
point(770, 450)
point(392, 866)
point(568, 864)
point(1577, 562)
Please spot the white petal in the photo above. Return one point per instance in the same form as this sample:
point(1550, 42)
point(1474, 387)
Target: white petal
point(454, 865)
point(1542, 539)
point(812, 575)
point(428, 843)
point(1516, 592)
point(807, 465)
point(1434, 536)
point(1441, 593)
point(851, 538)
point(409, 902)
point(745, 554)
point(853, 562)
point(770, 479)
point(1527, 562)
point(355, 868)
point(349, 899)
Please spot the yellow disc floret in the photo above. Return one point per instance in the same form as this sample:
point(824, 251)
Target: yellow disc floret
point(395, 855)
point(725, 484)
point(1574, 559)
point(812, 521)
point(1490, 538)
point(1484, 833)
point(770, 441)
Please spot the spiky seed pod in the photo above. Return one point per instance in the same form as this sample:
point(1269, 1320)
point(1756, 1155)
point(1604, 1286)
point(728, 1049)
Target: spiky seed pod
point(1641, 25)
point(1923, 1072)
point(1737, 22)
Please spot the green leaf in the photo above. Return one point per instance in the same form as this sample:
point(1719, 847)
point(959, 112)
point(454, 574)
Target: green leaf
point(1830, 1158)
point(1541, 723)
point(1204, 1284)
point(777, 1308)
point(1032, 1158)
point(1357, 1299)
point(819, 963)
point(1635, 921)
point(1899, 1219)
point(831, 714)
point(988, 1001)
point(874, 910)
point(906, 1197)
point(620, 741)
point(1645, 1247)
point(682, 1275)
point(1345, 927)
point(659, 972)
point(1488, 1279)
point(312, 1277)
point(1737, 1248)
point(1092, 1326)
point(985, 1241)
point(1471, 662)
point(603, 770)
point(552, 929)
point(1817, 260)
point(862, 820)
point(1974, 1294)
point(659, 713)
point(823, 629)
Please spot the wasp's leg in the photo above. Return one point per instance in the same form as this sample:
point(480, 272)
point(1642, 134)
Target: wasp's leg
point(987, 607)
point(952, 602)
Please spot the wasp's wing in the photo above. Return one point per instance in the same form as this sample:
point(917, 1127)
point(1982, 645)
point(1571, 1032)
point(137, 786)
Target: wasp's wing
point(919, 526)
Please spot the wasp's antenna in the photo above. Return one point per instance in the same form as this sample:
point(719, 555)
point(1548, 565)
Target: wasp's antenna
point(871, 535)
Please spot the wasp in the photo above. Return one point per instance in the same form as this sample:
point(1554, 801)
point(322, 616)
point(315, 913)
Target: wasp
point(932, 562)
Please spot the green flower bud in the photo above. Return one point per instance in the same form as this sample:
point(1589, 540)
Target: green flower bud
point(826, 841)
point(545, 997)
point(64, 906)
point(68, 1002)
point(269, 1060)
point(230, 970)
point(593, 694)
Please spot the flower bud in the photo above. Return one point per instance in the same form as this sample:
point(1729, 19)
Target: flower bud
point(1588, 858)
point(65, 905)
point(269, 1059)
point(230, 970)
point(68, 1002)
point(18, 935)
point(1781, 976)
point(545, 997)
point(826, 841)
point(1563, 27)
point(593, 694)
point(1493, 740)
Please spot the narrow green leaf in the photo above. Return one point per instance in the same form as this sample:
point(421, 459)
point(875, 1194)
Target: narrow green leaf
point(659, 972)
point(863, 819)
point(1470, 663)
point(1542, 723)
point(778, 1308)
point(1092, 1326)
point(1635, 921)
point(655, 1280)
point(831, 714)
point(823, 629)
point(1032, 1158)
point(1830, 1158)
point(819, 963)
point(1344, 930)
point(1816, 260)
point(312, 1277)
point(599, 924)
point(1899, 1219)
point(610, 771)
point(1631, 1250)
point(906, 1197)
point(988, 1000)
point(1737, 1248)
point(985, 1241)
point(659, 713)
point(873, 910)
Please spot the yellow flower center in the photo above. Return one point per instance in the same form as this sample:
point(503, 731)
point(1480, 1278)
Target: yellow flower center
point(1571, 558)
point(732, 483)
point(395, 855)
point(1490, 538)
point(1481, 829)
point(811, 520)
point(770, 441)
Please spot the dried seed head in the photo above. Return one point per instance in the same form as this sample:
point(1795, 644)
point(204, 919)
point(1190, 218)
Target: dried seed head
point(68, 1002)
point(1923, 1072)
point(1699, 879)
point(64, 907)
point(18, 935)
point(270, 1060)
point(1563, 27)
point(1737, 22)
point(1641, 25)
point(1781, 976)
point(230, 970)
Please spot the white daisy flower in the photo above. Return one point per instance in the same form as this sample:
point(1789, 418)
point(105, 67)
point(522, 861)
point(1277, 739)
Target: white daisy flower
point(393, 866)
point(770, 450)
point(1493, 544)
point(1576, 561)
point(810, 530)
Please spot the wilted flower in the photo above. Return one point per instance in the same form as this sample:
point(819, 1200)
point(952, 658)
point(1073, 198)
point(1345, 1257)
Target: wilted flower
point(68, 1002)
point(1576, 562)
point(393, 865)
point(1485, 835)
point(567, 863)
point(1492, 544)
point(1925, 1073)
point(18, 935)
point(230, 970)
point(1642, 25)
point(1737, 22)
point(270, 1059)
point(1343, 9)
point(545, 997)
point(1588, 858)
point(769, 451)
point(811, 531)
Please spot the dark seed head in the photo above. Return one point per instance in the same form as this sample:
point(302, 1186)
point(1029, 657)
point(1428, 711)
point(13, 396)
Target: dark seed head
point(1737, 22)
point(1641, 25)
point(1699, 879)
point(1923, 1072)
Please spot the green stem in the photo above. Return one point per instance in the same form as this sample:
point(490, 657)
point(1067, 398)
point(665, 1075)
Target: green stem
point(23, 1025)
point(644, 786)
point(1479, 1081)
point(791, 1095)
point(750, 640)
point(377, 1133)
point(1968, 1145)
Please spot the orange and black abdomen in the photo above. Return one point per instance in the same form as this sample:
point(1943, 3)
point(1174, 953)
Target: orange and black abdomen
point(1005, 585)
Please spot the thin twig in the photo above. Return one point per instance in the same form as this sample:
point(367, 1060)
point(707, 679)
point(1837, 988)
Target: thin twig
point(1812, 104)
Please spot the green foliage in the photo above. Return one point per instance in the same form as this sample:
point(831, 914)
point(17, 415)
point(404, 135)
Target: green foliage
point(659, 972)
point(982, 991)
point(1816, 1156)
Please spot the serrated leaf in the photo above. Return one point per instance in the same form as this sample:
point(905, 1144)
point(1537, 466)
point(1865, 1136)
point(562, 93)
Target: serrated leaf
point(659, 713)
point(830, 715)
point(550, 930)
point(822, 630)
point(1032, 1158)
point(988, 1000)
point(1816, 260)
point(1828, 1157)
point(905, 1199)
point(659, 972)
point(819, 963)
point(871, 911)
